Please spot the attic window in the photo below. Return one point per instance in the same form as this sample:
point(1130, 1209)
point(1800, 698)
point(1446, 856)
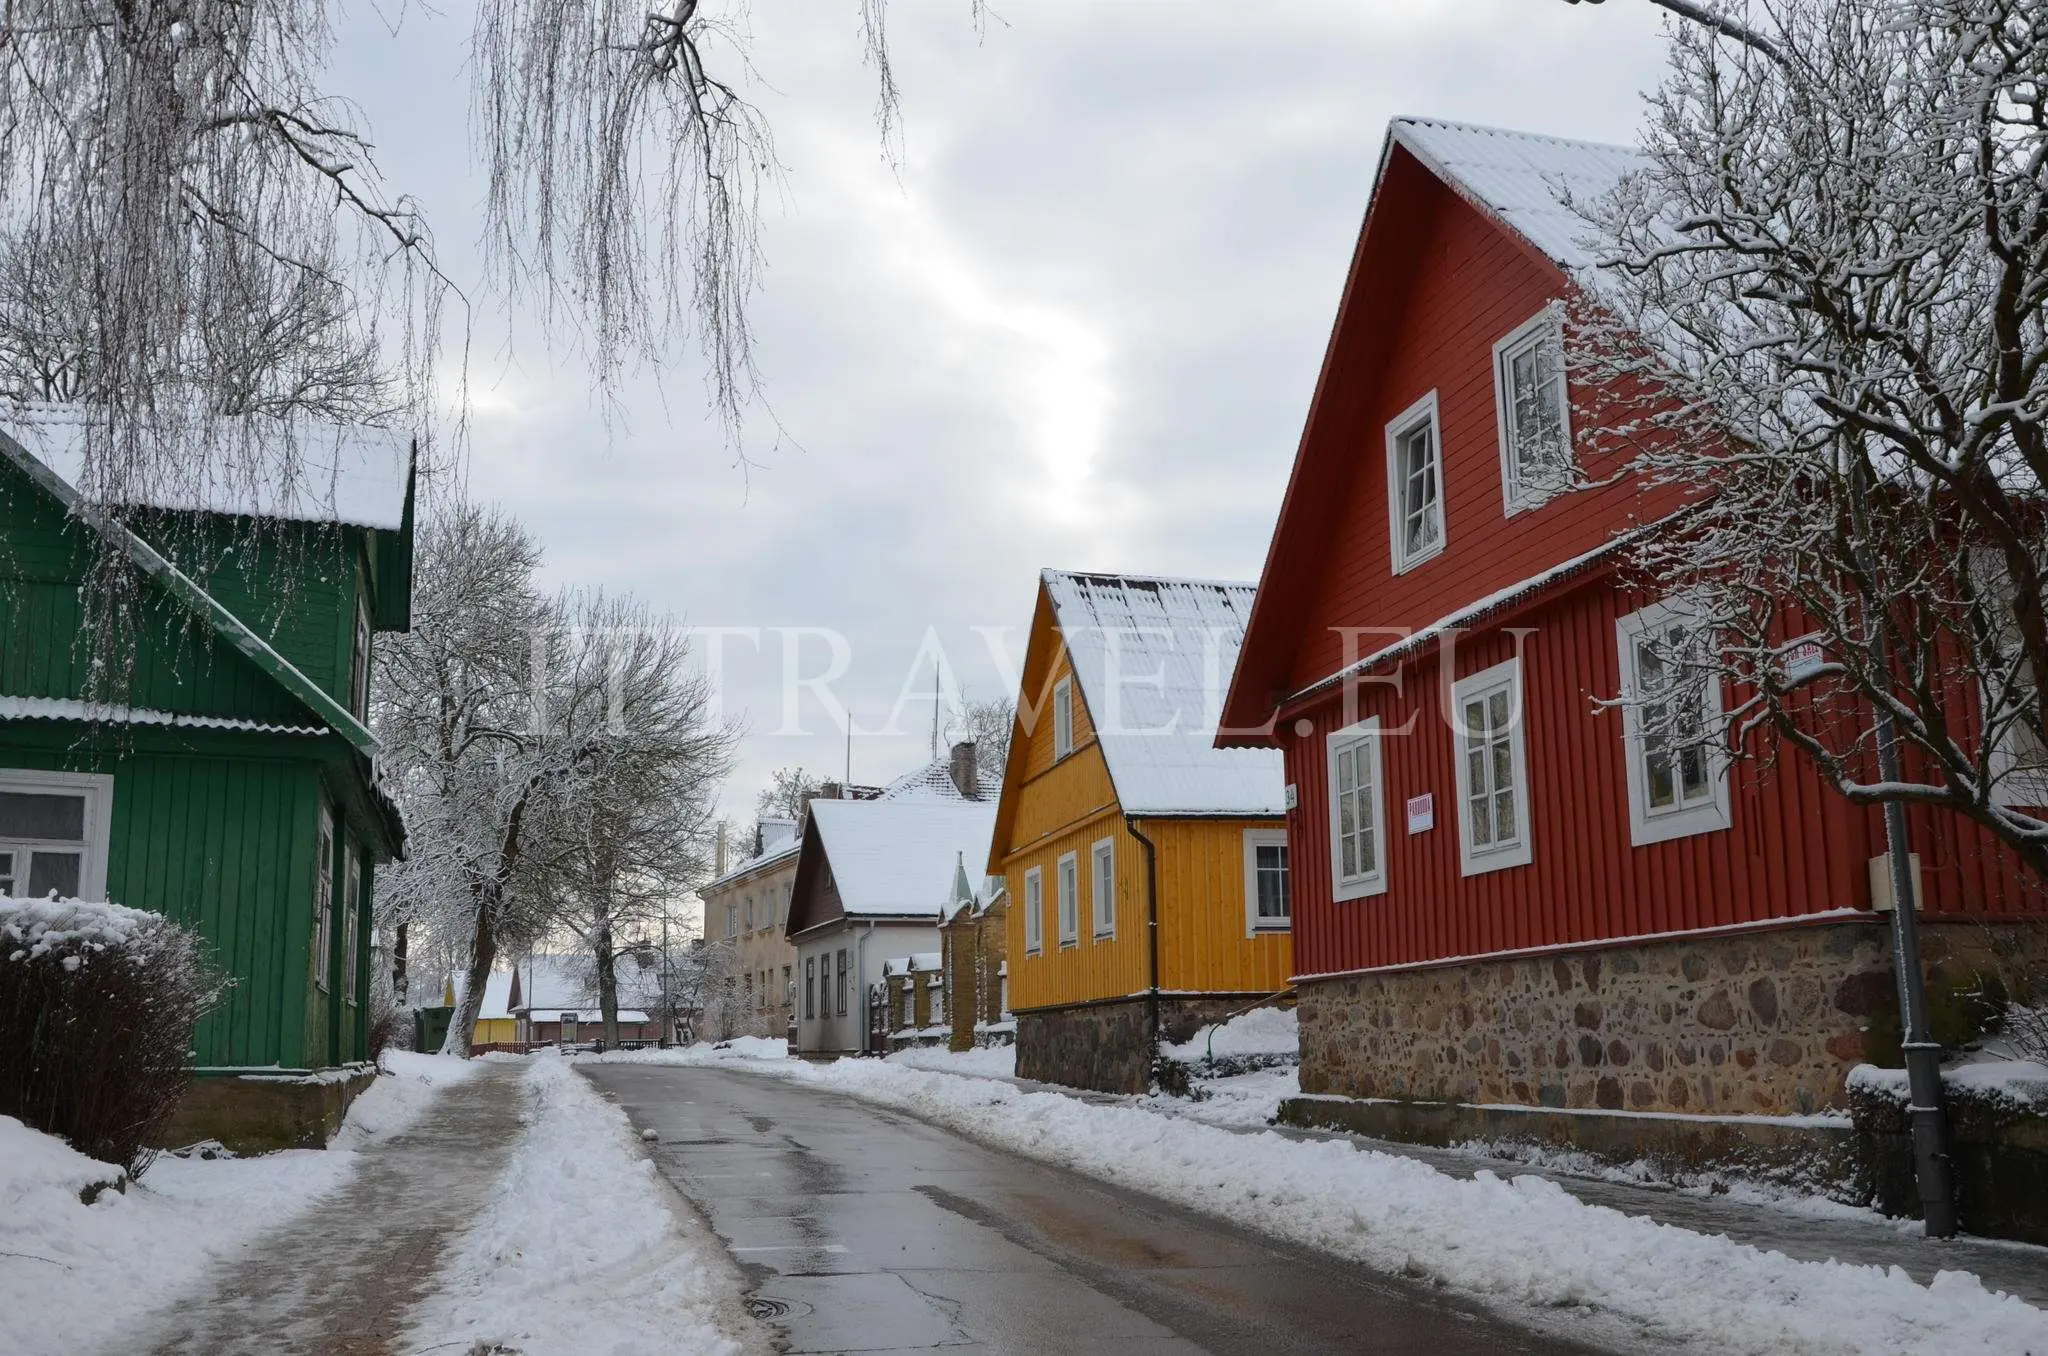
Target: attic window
point(1529, 401)
point(1415, 500)
point(359, 665)
point(1063, 718)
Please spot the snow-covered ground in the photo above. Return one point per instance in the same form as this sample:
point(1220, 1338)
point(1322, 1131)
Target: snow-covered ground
point(1262, 1031)
point(77, 1277)
point(1519, 1242)
point(582, 1250)
point(984, 1061)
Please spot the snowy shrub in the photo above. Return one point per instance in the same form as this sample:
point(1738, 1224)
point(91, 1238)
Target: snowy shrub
point(97, 1006)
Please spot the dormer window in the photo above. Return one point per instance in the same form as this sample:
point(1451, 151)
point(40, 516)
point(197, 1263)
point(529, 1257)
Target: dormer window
point(1415, 496)
point(1529, 400)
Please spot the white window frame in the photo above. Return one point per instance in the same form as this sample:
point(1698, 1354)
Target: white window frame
point(351, 918)
point(359, 663)
point(97, 789)
point(1366, 734)
point(1423, 411)
point(1545, 327)
point(1254, 839)
point(1067, 884)
point(1101, 902)
point(935, 1000)
point(1034, 911)
point(323, 899)
point(732, 918)
point(1645, 825)
point(1063, 717)
point(1494, 857)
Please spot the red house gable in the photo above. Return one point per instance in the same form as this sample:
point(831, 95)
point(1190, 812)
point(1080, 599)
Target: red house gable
point(1465, 241)
point(1547, 827)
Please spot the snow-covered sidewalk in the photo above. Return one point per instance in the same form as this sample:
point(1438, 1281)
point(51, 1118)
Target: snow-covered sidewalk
point(78, 1278)
point(1512, 1241)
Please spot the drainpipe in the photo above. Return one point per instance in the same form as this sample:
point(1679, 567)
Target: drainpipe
point(1151, 938)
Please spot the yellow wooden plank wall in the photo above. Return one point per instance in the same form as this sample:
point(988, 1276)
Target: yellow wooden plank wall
point(1068, 806)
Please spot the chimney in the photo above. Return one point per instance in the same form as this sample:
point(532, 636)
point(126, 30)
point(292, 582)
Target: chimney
point(759, 839)
point(829, 791)
point(718, 853)
point(966, 774)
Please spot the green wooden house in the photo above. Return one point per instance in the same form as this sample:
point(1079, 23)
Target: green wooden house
point(231, 784)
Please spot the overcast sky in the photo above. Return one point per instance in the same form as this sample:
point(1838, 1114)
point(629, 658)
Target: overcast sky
point(1080, 329)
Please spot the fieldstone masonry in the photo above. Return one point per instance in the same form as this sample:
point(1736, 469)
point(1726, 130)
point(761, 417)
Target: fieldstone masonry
point(1103, 1046)
point(1766, 1022)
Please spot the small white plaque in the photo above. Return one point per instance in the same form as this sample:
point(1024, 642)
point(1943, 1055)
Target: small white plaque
point(1290, 795)
point(1422, 812)
point(1802, 659)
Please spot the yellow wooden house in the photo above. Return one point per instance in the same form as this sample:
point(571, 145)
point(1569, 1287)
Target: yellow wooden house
point(1118, 813)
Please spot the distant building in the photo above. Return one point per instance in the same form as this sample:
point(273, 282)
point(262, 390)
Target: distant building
point(973, 954)
point(745, 909)
point(553, 1000)
point(874, 878)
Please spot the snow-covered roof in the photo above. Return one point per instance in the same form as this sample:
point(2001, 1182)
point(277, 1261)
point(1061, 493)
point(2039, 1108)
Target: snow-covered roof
point(898, 856)
point(780, 853)
point(549, 985)
point(933, 781)
point(1154, 658)
point(1524, 179)
point(66, 708)
point(497, 995)
point(307, 470)
point(924, 962)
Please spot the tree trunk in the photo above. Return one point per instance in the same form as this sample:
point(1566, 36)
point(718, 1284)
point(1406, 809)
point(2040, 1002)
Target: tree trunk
point(607, 980)
point(483, 951)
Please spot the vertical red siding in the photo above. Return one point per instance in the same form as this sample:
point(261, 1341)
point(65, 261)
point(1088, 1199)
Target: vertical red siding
point(1793, 847)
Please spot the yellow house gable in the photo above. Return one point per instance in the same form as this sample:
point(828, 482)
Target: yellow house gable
point(1070, 854)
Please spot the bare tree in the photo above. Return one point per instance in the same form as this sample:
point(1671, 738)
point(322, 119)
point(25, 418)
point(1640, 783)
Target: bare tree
point(988, 724)
point(636, 818)
point(788, 794)
point(1819, 320)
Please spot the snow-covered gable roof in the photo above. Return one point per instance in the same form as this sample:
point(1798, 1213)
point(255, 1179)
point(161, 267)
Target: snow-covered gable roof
point(1525, 180)
point(924, 962)
point(898, 856)
point(549, 985)
point(313, 471)
point(933, 781)
point(1153, 657)
point(775, 854)
point(497, 997)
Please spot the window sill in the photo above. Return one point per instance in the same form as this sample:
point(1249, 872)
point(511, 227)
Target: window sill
point(1108, 936)
point(1263, 928)
point(1070, 945)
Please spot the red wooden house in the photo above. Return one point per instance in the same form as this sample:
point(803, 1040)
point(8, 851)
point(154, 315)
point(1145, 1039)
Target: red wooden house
point(1501, 894)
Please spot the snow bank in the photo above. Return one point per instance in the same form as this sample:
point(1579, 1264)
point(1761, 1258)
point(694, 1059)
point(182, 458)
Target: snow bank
point(984, 1061)
point(35, 927)
point(1513, 1242)
point(77, 1278)
point(2020, 1083)
point(1238, 1099)
point(579, 1252)
point(1262, 1031)
point(738, 1048)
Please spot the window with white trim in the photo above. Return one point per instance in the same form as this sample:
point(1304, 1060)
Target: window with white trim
point(359, 665)
point(1034, 910)
point(1492, 768)
point(732, 920)
point(1268, 893)
point(351, 916)
point(1415, 491)
point(935, 993)
point(1357, 812)
point(1532, 411)
point(1102, 886)
point(810, 988)
point(323, 900)
point(1063, 717)
point(53, 834)
point(1677, 782)
point(1070, 898)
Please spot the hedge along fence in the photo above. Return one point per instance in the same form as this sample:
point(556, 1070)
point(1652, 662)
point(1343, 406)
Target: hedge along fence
point(97, 1006)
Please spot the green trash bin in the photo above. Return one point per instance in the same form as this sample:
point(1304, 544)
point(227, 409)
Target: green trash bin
point(430, 1028)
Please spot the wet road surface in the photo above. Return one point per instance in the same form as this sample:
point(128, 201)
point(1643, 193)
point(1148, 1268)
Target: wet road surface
point(865, 1230)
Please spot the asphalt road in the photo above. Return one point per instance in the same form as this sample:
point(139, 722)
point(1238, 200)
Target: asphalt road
point(861, 1229)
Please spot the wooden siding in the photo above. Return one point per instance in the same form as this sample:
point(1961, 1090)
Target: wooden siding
point(1053, 807)
point(178, 665)
point(1794, 848)
point(1472, 284)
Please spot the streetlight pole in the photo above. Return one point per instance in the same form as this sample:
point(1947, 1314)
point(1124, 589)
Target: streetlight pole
point(1923, 1054)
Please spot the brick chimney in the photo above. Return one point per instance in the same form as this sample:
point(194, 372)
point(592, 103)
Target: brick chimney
point(718, 854)
point(966, 773)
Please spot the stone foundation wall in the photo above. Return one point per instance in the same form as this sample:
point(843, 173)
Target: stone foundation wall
point(256, 1115)
point(1105, 1047)
point(1765, 1022)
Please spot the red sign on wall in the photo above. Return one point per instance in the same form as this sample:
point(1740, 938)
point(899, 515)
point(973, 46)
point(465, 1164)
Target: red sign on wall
point(1422, 812)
